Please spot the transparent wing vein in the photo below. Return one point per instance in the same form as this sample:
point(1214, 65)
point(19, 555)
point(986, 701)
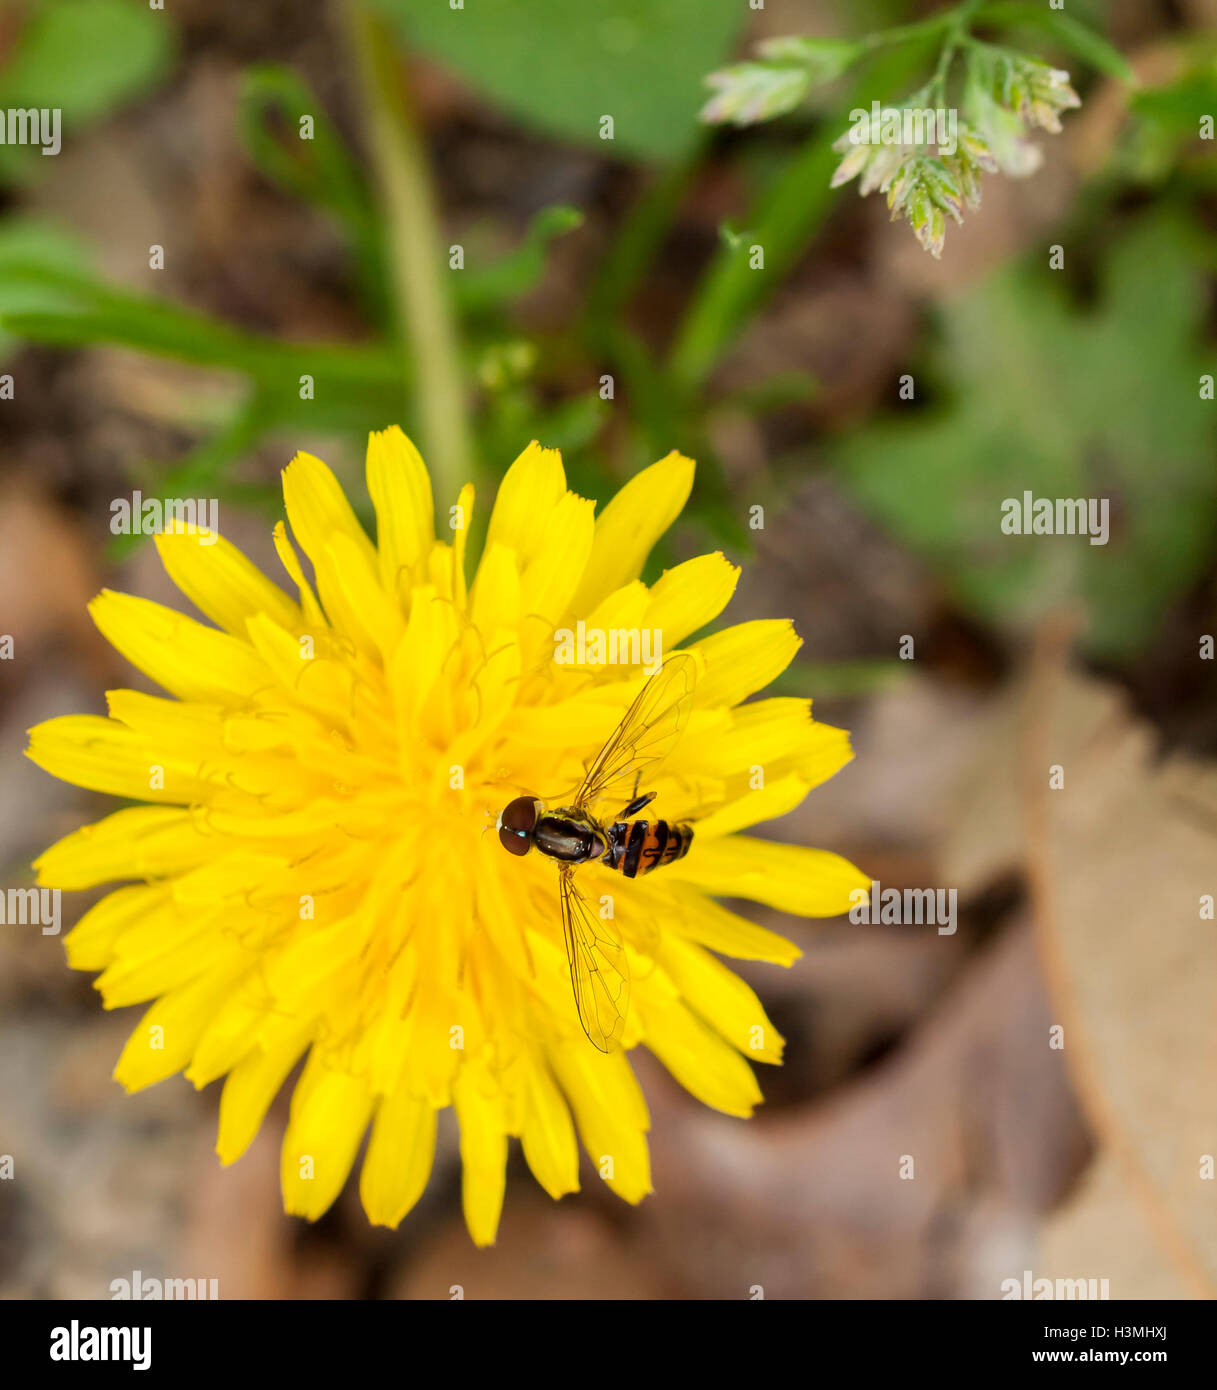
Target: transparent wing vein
point(647, 734)
point(599, 971)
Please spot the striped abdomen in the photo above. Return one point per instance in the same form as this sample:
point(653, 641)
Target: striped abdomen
point(637, 847)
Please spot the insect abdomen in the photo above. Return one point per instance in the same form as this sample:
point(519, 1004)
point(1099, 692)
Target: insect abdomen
point(639, 846)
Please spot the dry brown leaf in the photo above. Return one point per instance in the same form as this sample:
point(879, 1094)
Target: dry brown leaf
point(1118, 860)
point(1104, 1233)
point(810, 1203)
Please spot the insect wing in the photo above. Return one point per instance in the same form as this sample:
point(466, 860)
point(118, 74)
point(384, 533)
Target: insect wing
point(647, 734)
point(599, 972)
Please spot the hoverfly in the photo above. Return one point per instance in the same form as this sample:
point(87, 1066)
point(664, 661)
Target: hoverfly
point(575, 834)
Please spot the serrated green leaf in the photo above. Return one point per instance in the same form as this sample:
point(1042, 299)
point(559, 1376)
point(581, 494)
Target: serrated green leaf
point(1063, 404)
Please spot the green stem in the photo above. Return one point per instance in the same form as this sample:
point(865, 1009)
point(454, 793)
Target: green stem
point(424, 309)
point(906, 32)
point(960, 23)
point(635, 244)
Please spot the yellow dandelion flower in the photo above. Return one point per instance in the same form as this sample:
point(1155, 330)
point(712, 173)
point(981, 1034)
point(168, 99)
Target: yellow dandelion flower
point(311, 877)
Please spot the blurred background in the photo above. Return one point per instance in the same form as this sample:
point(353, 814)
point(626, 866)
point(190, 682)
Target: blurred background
point(605, 303)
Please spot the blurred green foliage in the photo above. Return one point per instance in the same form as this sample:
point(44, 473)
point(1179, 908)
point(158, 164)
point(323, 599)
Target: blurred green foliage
point(1067, 32)
point(1042, 396)
point(561, 66)
point(274, 102)
point(37, 260)
point(1030, 385)
point(86, 57)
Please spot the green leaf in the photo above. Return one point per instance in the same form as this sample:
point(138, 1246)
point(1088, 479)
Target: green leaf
point(33, 242)
point(1064, 405)
point(840, 680)
point(1072, 35)
point(572, 425)
point(561, 66)
point(82, 58)
point(1178, 105)
point(482, 288)
point(733, 239)
point(777, 392)
point(318, 170)
point(87, 57)
point(49, 302)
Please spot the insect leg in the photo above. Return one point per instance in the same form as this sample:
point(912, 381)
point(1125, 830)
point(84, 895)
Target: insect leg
point(637, 804)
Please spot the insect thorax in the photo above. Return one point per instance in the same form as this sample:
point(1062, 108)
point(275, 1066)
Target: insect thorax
point(570, 836)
